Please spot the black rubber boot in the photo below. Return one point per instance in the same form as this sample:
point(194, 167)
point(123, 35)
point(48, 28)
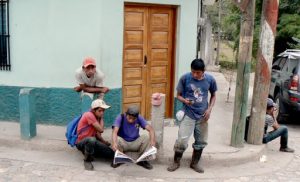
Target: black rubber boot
point(195, 159)
point(88, 165)
point(88, 162)
point(88, 157)
point(176, 164)
point(284, 145)
point(287, 149)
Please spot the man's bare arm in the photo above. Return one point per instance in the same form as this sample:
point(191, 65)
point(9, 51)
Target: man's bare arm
point(115, 138)
point(101, 139)
point(182, 99)
point(85, 88)
point(152, 135)
point(210, 106)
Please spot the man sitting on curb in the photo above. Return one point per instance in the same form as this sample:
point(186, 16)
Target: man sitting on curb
point(90, 141)
point(90, 79)
point(126, 137)
point(278, 130)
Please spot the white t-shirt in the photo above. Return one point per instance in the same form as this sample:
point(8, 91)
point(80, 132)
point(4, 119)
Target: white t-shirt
point(94, 81)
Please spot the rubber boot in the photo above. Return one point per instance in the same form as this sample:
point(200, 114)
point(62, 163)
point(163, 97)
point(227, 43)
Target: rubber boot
point(88, 165)
point(287, 149)
point(195, 159)
point(283, 145)
point(176, 164)
point(88, 162)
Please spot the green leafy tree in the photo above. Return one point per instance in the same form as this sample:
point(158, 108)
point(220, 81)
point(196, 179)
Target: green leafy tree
point(288, 31)
point(230, 22)
point(287, 26)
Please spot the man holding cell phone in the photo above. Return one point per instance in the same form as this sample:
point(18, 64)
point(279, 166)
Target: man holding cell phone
point(192, 91)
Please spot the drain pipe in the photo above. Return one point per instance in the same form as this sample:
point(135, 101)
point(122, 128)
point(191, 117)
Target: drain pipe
point(199, 27)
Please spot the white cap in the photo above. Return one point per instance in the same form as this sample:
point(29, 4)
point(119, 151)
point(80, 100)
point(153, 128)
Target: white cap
point(99, 103)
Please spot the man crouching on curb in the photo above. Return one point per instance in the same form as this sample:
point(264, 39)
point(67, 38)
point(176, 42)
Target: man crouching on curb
point(126, 137)
point(90, 141)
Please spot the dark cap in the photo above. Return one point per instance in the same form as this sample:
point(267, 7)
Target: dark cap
point(270, 103)
point(133, 111)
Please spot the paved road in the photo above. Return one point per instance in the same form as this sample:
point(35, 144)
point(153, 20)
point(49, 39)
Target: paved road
point(31, 163)
point(34, 165)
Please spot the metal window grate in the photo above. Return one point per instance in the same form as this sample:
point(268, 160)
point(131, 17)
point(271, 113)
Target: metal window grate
point(4, 36)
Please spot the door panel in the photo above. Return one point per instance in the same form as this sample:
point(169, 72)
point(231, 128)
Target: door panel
point(135, 44)
point(148, 56)
point(160, 50)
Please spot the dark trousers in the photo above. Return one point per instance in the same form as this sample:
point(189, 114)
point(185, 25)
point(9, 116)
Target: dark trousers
point(92, 147)
point(281, 132)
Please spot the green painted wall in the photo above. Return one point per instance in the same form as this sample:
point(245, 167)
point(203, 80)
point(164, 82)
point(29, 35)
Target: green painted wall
point(9, 103)
point(54, 105)
point(58, 105)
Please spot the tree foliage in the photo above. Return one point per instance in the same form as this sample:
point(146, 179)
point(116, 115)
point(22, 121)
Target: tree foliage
point(230, 18)
point(288, 31)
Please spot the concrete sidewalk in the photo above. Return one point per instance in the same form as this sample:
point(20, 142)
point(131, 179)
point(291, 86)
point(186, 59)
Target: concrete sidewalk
point(218, 152)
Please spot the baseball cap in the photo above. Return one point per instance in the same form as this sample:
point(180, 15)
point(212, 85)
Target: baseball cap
point(270, 103)
point(133, 110)
point(99, 103)
point(88, 61)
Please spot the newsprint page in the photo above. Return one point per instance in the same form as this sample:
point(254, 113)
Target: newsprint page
point(120, 157)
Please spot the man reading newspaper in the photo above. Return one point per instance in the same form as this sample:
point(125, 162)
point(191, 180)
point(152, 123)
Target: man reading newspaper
point(126, 137)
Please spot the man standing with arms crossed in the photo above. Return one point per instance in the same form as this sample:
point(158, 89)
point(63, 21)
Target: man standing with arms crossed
point(192, 91)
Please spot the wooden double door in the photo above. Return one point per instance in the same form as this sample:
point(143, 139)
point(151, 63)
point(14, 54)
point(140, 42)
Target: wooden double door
point(148, 56)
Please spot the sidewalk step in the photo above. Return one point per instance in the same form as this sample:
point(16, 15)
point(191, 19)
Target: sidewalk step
point(225, 157)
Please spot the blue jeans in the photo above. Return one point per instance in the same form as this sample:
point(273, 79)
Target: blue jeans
point(93, 147)
point(186, 128)
point(281, 132)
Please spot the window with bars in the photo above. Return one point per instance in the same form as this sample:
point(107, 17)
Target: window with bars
point(4, 36)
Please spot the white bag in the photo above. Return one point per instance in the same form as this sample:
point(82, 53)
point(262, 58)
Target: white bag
point(180, 115)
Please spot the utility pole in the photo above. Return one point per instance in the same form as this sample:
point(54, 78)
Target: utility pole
point(263, 70)
point(247, 8)
point(219, 33)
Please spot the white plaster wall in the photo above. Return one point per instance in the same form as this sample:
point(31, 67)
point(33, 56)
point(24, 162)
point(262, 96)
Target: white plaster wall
point(50, 38)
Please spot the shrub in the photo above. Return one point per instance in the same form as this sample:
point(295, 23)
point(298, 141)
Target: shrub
point(228, 65)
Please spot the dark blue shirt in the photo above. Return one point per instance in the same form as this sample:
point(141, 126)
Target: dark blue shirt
point(197, 91)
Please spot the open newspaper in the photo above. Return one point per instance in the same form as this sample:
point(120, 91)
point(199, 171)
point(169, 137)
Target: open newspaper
point(120, 157)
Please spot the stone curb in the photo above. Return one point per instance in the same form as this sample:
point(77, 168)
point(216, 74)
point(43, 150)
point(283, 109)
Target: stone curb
point(243, 155)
